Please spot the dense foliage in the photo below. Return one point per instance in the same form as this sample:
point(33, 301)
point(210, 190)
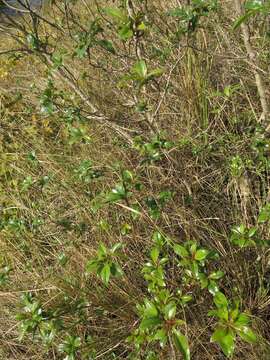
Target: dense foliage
point(134, 184)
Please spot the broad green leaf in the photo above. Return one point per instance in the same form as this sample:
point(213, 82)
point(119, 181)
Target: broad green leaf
point(201, 254)
point(220, 300)
point(195, 270)
point(127, 176)
point(227, 344)
point(216, 275)
point(213, 288)
point(186, 298)
point(141, 26)
point(116, 270)
point(105, 273)
point(116, 247)
point(170, 310)
point(161, 336)
point(140, 69)
point(193, 248)
point(158, 238)
point(256, 5)
point(32, 41)
point(150, 309)
point(181, 344)
point(225, 338)
point(247, 334)
point(118, 193)
point(223, 313)
point(180, 250)
point(154, 254)
point(227, 91)
point(203, 280)
point(264, 215)
point(242, 320)
point(150, 322)
point(219, 333)
point(155, 74)
point(125, 32)
point(252, 231)
point(234, 313)
point(77, 342)
point(107, 45)
point(239, 21)
point(102, 250)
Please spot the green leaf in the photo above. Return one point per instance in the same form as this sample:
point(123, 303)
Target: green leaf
point(213, 288)
point(234, 311)
point(116, 270)
point(252, 231)
point(256, 5)
point(102, 250)
point(91, 266)
point(219, 333)
point(213, 313)
point(154, 254)
point(220, 300)
point(264, 215)
point(201, 254)
point(141, 26)
point(238, 22)
point(186, 298)
point(247, 334)
point(170, 310)
point(180, 250)
point(155, 74)
point(140, 69)
point(32, 41)
point(223, 313)
point(216, 275)
point(116, 247)
point(242, 320)
point(107, 45)
point(118, 193)
point(116, 13)
point(203, 280)
point(77, 342)
point(127, 176)
point(225, 338)
point(161, 336)
point(105, 273)
point(195, 269)
point(181, 344)
point(125, 32)
point(150, 309)
point(158, 238)
point(149, 322)
point(193, 248)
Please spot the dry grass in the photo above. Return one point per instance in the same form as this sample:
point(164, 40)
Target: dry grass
point(189, 107)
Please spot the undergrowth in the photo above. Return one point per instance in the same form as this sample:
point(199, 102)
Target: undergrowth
point(135, 209)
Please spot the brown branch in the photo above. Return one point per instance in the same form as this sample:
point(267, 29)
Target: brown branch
point(254, 62)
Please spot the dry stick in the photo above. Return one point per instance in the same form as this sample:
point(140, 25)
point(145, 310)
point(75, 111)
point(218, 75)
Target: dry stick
point(253, 60)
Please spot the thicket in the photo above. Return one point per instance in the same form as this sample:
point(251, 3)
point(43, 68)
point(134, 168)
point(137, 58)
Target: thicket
point(135, 205)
